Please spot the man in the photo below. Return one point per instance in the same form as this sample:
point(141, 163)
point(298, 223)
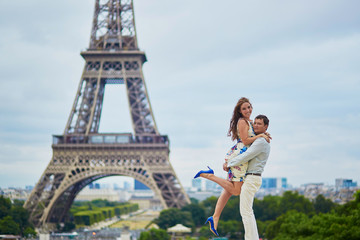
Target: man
point(257, 155)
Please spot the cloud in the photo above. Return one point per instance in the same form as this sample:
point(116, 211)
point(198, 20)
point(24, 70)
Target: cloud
point(296, 61)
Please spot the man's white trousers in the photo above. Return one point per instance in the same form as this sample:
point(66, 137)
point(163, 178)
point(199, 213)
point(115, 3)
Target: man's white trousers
point(249, 188)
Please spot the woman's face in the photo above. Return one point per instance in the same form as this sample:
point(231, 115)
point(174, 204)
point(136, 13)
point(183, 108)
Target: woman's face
point(246, 110)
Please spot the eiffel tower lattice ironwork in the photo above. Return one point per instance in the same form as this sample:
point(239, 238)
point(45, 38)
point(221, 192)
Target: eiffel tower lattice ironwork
point(82, 155)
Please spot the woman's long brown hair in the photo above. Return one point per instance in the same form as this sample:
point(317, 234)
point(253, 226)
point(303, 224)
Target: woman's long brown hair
point(235, 118)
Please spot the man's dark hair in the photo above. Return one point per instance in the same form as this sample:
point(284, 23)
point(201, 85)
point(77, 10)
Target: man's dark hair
point(264, 118)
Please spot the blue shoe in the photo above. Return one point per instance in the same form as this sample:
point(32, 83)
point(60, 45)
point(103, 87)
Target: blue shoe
point(211, 223)
point(210, 171)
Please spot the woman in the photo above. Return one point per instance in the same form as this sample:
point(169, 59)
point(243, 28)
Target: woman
point(242, 131)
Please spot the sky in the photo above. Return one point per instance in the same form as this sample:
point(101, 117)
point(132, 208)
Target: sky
point(297, 62)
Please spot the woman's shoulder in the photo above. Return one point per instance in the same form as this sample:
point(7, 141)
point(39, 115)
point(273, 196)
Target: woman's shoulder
point(243, 121)
point(243, 124)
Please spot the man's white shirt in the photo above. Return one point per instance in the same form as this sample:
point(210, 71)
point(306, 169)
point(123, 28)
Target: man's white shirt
point(257, 155)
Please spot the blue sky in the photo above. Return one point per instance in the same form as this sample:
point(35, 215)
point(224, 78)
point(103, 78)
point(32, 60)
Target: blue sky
point(297, 61)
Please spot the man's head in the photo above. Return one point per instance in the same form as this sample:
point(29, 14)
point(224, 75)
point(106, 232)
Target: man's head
point(261, 124)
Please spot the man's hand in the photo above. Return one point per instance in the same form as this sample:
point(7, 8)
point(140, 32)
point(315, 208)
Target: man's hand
point(225, 167)
point(266, 136)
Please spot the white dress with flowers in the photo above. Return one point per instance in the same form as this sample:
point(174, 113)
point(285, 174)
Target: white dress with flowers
point(237, 173)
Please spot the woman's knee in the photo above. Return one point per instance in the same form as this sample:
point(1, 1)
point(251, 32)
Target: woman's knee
point(236, 192)
point(237, 189)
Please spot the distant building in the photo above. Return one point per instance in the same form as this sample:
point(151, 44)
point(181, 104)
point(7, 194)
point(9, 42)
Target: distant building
point(10, 237)
point(201, 196)
point(89, 194)
point(341, 183)
point(127, 186)
point(197, 184)
point(274, 183)
point(146, 202)
point(212, 186)
point(140, 186)
point(312, 190)
point(15, 193)
point(93, 185)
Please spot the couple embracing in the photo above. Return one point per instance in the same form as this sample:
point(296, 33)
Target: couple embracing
point(244, 163)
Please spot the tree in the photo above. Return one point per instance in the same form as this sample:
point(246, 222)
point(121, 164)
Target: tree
point(323, 205)
point(20, 215)
point(288, 226)
point(232, 229)
point(209, 205)
point(332, 225)
point(68, 227)
point(347, 208)
point(9, 226)
point(145, 236)
point(172, 216)
point(205, 232)
point(268, 208)
point(197, 213)
point(13, 217)
point(194, 201)
point(231, 210)
point(155, 234)
point(5, 206)
point(29, 233)
point(294, 201)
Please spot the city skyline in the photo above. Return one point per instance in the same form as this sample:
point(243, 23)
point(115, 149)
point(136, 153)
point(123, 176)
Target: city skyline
point(300, 71)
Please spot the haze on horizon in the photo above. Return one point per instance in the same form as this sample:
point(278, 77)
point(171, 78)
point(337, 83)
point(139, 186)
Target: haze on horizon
point(297, 62)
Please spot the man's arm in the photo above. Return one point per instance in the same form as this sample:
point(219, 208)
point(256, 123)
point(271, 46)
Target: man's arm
point(255, 149)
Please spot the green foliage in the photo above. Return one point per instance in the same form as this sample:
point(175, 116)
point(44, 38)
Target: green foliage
point(68, 227)
point(20, 216)
point(347, 208)
point(18, 203)
point(290, 216)
point(268, 208)
point(155, 234)
point(262, 227)
point(103, 203)
point(97, 203)
point(209, 205)
point(14, 218)
point(194, 201)
point(86, 215)
point(323, 205)
point(289, 224)
point(197, 213)
point(172, 216)
point(232, 229)
point(29, 232)
point(205, 232)
point(9, 226)
point(341, 223)
point(203, 238)
point(5, 206)
point(294, 201)
point(271, 207)
point(231, 210)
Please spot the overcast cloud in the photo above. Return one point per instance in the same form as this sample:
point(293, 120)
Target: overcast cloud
point(297, 61)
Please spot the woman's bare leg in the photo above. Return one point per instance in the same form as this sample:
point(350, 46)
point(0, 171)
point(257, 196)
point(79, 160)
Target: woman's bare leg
point(233, 188)
point(220, 204)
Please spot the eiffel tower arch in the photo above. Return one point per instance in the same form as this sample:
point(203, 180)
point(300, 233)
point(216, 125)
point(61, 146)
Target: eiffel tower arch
point(82, 155)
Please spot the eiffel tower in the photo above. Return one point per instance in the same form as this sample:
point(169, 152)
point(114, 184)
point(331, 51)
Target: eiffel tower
point(82, 155)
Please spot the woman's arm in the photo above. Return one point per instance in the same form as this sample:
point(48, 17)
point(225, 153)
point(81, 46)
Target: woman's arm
point(243, 128)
